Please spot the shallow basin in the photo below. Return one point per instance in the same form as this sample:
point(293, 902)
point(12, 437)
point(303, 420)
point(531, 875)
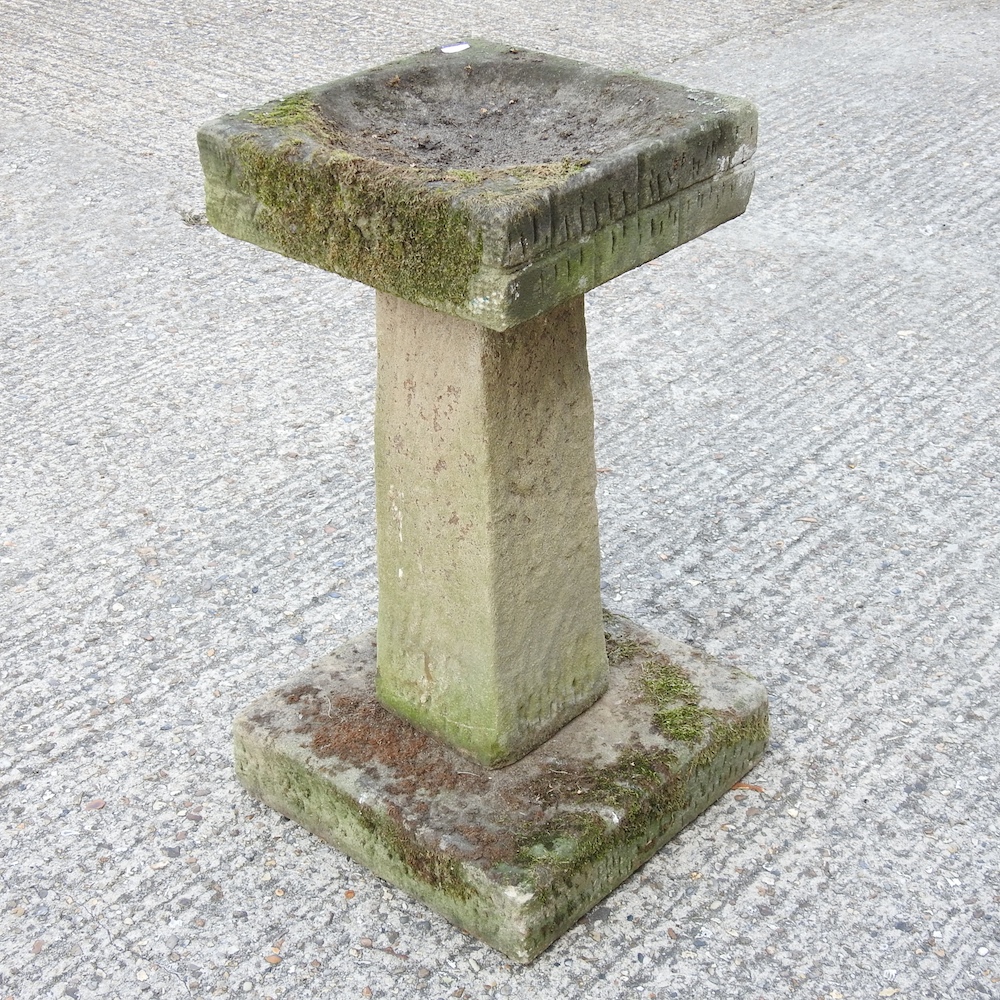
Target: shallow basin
point(481, 180)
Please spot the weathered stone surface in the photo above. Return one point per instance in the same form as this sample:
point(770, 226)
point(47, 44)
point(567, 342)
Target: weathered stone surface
point(490, 183)
point(490, 631)
point(481, 193)
point(514, 856)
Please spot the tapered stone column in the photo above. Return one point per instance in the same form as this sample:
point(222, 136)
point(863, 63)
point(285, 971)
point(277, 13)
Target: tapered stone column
point(489, 632)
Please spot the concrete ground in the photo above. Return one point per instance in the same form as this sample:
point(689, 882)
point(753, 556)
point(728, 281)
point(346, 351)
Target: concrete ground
point(797, 431)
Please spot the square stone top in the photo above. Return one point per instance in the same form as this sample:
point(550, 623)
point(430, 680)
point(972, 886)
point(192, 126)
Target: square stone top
point(479, 179)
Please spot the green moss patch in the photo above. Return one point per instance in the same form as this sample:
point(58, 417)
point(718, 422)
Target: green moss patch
point(433, 867)
point(601, 814)
point(677, 714)
point(397, 228)
point(295, 110)
point(381, 225)
point(731, 730)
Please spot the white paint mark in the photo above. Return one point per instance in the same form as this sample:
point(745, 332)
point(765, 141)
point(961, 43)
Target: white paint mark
point(460, 47)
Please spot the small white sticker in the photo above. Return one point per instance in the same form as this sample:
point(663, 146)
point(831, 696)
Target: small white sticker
point(460, 47)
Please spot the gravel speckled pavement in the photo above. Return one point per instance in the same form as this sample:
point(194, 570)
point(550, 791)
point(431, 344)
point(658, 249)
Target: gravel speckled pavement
point(797, 432)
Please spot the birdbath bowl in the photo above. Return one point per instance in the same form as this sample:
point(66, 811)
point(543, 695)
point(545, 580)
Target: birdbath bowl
point(502, 749)
point(490, 183)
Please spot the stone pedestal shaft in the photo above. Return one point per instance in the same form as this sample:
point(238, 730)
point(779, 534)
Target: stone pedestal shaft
point(489, 629)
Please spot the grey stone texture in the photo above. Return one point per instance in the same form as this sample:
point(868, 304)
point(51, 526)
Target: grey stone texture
point(489, 620)
point(796, 454)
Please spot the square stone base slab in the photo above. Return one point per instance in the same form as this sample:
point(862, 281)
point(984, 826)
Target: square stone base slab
point(514, 856)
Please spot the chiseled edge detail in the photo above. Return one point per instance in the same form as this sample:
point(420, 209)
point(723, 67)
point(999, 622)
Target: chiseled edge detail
point(524, 228)
point(500, 299)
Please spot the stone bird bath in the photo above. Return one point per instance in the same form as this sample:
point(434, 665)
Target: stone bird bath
point(502, 749)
